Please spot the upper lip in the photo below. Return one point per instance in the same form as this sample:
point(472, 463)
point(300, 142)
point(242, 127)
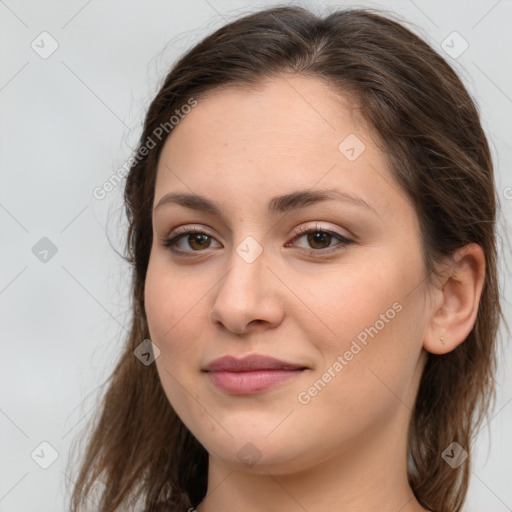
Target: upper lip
point(250, 363)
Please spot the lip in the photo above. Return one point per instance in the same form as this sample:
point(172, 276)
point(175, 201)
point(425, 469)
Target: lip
point(249, 363)
point(250, 374)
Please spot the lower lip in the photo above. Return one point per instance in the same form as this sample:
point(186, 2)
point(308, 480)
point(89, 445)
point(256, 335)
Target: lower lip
point(243, 383)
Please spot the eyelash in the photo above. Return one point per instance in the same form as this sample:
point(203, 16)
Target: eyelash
point(343, 241)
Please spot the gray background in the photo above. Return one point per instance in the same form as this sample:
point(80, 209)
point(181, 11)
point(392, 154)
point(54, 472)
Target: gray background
point(67, 123)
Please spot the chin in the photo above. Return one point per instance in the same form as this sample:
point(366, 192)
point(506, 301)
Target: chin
point(257, 448)
point(260, 456)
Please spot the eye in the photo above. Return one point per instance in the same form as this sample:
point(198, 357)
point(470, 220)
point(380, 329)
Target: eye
point(193, 238)
point(320, 239)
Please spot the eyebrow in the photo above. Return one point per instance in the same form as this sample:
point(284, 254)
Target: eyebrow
point(278, 204)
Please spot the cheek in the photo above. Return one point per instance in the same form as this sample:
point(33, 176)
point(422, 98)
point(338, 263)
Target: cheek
point(369, 318)
point(173, 316)
point(351, 298)
point(174, 307)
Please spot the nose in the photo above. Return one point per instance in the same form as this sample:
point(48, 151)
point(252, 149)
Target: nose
point(248, 297)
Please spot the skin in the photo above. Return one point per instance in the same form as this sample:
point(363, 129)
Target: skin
point(346, 448)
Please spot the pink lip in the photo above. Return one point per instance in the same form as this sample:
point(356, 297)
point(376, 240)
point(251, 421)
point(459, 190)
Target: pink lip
point(251, 374)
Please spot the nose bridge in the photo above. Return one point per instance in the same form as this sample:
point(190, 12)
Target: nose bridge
point(246, 293)
point(244, 277)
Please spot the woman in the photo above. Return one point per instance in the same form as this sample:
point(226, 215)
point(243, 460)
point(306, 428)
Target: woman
point(315, 303)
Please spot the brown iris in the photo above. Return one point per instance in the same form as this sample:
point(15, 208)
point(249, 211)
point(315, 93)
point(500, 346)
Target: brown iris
point(319, 237)
point(202, 241)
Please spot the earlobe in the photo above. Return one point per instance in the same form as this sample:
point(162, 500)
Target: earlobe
point(454, 314)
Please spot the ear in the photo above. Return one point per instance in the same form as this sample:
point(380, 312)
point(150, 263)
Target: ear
point(455, 300)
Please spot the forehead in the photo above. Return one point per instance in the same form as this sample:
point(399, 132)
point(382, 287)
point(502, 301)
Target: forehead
point(289, 132)
point(289, 107)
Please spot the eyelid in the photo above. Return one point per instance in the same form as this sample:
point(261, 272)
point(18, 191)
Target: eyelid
point(302, 230)
point(189, 228)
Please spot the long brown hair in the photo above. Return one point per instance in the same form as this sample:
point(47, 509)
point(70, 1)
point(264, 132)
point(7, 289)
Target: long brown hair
point(430, 131)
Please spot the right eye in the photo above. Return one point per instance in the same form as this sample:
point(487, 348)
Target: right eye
point(189, 238)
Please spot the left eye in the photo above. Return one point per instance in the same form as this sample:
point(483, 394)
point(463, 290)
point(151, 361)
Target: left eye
point(320, 239)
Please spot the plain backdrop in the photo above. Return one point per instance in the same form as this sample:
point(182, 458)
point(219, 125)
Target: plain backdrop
point(68, 121)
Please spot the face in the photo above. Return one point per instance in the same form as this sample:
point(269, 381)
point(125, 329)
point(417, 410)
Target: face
point(304, 250)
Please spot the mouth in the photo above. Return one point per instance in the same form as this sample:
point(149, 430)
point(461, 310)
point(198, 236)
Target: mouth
point(251, 374)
